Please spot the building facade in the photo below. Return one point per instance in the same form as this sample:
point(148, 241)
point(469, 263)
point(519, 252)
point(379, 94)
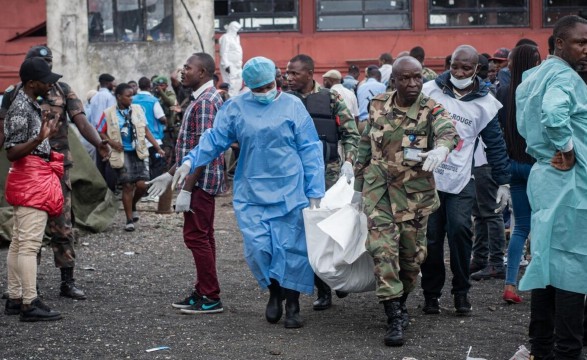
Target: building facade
point(126, 38)
point(133, 38)
point(22, 26)
point(338, 33)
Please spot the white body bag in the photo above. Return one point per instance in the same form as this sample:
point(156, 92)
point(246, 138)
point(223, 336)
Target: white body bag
point(335, 237)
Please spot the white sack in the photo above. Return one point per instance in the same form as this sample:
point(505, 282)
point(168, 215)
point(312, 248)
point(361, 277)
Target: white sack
point(336, 242)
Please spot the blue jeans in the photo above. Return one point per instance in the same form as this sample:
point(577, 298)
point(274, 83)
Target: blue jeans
point(522, 213)
point(489, 229)
point(453, 220)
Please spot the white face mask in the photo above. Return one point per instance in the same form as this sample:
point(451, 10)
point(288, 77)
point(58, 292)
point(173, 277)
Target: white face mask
point(463, 83)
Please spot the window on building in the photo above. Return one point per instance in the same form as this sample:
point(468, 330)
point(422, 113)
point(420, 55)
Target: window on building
point(363, 14)
point(257, 15)
point(477, 13)
point(130, 20)
point(556, 9)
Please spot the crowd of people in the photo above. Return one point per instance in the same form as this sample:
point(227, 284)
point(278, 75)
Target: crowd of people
point(436, 157)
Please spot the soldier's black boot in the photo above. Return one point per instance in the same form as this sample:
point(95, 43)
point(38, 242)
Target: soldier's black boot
point(405, 316)
point(394, 336)
point(324, 300)
point(292, 309)
point(68, 288)
point(274, 308)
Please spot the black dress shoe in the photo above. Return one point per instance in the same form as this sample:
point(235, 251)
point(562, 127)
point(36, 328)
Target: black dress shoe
point(462, 304)
point(323, 302)
point(489, 272)
point(12, 306)
point(37, 311)
point(431, 306)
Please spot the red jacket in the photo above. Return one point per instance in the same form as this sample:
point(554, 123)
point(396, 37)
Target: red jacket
point(34, 182)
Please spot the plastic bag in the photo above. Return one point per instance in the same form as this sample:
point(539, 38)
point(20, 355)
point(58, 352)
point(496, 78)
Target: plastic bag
point(521, 354)
point(339, 195)
point(472, 358)
point(336, 241)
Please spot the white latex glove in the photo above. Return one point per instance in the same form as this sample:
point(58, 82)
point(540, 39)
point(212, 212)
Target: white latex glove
point(347, 170)
point(434, 158)
point(158, 185)
point(182, 203)
point(180, 174)
point(503, 197)
point(314, 203)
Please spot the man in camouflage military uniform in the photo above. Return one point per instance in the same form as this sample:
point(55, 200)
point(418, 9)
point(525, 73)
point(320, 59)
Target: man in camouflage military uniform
point(63, 101)
point(427, 73)
point(166, 97)
point(333, 116)
point(404, 128)
point(168, 100)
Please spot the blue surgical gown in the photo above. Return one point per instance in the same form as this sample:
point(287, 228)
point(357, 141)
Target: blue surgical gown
point(551, 107)
point(280, 166)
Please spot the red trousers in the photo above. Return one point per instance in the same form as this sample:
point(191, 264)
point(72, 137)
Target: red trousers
point(198, 235)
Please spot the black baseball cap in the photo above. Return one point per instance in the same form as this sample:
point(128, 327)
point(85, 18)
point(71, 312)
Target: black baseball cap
point(39, 51)
point(105, 78)
point(37, 69)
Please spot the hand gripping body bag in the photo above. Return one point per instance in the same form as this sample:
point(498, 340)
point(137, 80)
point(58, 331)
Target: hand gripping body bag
point(335, 237)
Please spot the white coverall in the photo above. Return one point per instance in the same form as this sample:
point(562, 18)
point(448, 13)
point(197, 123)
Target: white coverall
point(231, 58)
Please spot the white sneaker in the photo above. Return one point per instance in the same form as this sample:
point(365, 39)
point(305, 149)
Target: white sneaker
point(524, 262)
point(129, 227)
point(150, 198)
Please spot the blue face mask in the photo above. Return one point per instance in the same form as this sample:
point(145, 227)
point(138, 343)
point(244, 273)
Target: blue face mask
point(266, 98)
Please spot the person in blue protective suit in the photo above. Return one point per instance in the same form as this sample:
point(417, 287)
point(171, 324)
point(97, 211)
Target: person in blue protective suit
point(280, 171)
point(552, 116)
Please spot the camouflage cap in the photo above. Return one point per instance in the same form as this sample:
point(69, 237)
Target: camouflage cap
point(160, 80)
point(39, 51)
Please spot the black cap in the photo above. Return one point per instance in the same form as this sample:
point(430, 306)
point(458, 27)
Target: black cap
point(39, 51)
point(105, 78)
point(37, 69)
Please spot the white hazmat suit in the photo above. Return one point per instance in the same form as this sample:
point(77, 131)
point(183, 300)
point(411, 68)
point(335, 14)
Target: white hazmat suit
point(231, 58)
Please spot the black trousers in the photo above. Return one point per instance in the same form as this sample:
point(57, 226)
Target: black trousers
point(556, 324)
point(453, 220)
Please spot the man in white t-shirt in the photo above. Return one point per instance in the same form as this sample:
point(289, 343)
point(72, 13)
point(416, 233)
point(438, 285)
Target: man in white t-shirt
point(332, 80)
point(385, 61)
